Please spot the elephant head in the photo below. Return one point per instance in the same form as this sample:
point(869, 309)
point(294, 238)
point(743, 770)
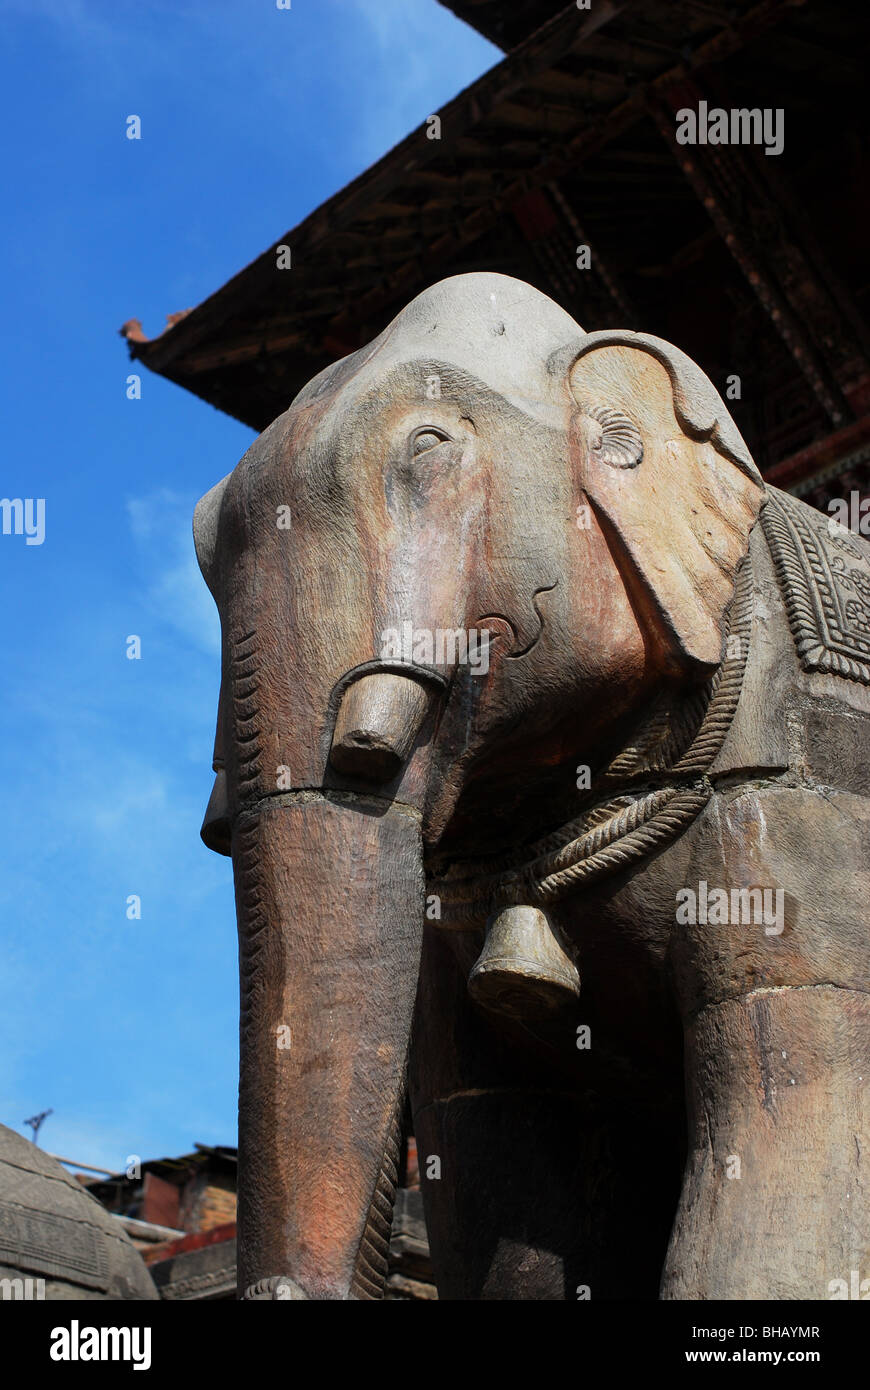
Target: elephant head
point(461, 561)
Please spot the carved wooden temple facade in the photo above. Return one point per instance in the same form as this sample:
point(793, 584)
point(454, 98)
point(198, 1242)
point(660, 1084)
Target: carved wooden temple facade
point(753, 263)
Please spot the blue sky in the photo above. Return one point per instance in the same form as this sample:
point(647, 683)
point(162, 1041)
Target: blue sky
point(251, 116)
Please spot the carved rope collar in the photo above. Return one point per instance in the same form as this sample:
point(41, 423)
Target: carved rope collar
point(645, 797)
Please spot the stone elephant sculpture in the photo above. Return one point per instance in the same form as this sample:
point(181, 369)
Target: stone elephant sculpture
point(541, 759)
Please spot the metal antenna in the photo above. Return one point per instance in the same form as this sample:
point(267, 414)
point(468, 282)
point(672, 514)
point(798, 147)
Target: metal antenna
point(35, 1122)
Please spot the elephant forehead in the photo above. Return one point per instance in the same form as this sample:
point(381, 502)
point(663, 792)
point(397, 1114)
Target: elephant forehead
point(515, 326)
point(351, 437)
point(504, 331)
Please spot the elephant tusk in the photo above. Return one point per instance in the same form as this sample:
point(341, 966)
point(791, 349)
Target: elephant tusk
point(378, 720)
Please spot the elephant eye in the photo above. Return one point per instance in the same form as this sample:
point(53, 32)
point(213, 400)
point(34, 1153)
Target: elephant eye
point(427, 438)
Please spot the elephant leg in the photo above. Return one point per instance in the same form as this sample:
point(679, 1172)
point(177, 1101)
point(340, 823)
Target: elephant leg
point(534, 1188)
point(774, 1200)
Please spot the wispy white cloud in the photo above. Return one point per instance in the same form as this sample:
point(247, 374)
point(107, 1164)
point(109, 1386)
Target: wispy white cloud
point(175, 591)
point(418, 56)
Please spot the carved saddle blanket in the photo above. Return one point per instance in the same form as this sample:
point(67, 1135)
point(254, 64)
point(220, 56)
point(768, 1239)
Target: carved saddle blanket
point(824, 574)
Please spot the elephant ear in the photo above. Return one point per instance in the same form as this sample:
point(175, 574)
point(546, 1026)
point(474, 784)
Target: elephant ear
point(206, 514)
point(668, 474)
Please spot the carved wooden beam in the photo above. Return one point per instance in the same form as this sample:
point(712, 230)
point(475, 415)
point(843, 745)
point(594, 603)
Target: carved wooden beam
point(792, 252)
point(715, 181)
point(555, 235)
point(595, 134)
point(625, 310)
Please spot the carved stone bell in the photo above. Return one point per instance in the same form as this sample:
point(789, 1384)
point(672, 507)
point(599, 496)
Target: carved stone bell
point(523, 971)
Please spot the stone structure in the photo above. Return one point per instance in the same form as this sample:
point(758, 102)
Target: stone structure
point(536, 694)
point(56, 1241)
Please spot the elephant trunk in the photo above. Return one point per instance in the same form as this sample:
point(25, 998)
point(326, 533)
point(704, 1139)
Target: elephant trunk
point(330, 901)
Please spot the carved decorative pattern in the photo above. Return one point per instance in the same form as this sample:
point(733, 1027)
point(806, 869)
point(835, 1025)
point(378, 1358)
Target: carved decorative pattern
point(277, 1288)
point(253, 921)
point(244, 680)
point(373, 1257)
point(620, 443)
point(51, 1244)
point(825, 577)
point(215, 1283)
point(246, 712)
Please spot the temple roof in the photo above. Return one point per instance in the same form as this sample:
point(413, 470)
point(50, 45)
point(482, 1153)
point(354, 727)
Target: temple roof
point(569, 141)
point(504, 24)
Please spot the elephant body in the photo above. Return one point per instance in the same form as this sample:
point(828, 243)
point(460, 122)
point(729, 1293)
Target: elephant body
point(589, 887)
point(579, 1172)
